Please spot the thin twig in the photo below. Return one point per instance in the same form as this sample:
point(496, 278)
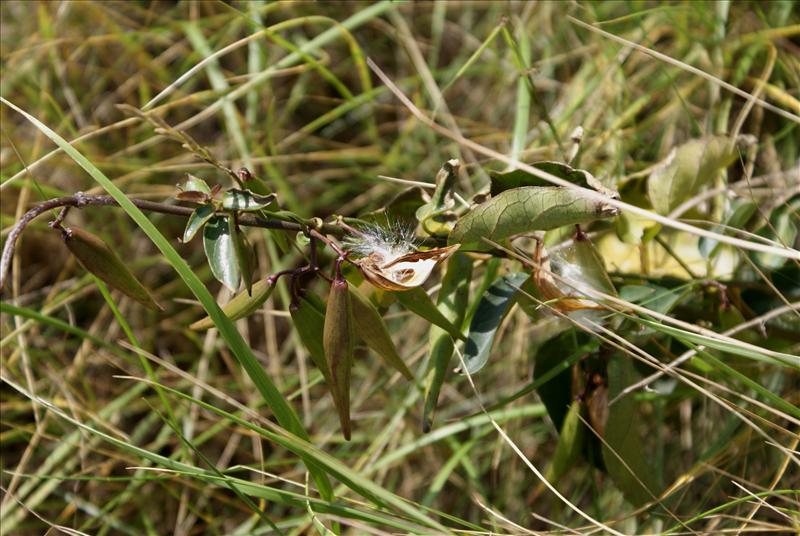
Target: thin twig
point(82, 200)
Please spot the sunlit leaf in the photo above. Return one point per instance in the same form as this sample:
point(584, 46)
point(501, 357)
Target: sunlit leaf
point(400, 210)
point(688, 168)
point(452, 302)
point(242, 305)
point(371, 328)
point(199, 217)
point(782, 229)
point(245, 200)
point(571, 439)
point(526, 209)
point(418, 302)
point(739, 214)
point(243, 251)
point(194, 184)
point(492, 309)
point(221, 252)
point(435, 216)
point(502, 181)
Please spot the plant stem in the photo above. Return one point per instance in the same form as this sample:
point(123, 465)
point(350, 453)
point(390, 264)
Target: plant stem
point(81, 200)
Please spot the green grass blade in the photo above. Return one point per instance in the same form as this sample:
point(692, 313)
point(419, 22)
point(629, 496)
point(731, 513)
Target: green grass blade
point(273, 398)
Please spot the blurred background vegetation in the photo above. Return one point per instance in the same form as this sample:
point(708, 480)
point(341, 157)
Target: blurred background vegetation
point(294, 101)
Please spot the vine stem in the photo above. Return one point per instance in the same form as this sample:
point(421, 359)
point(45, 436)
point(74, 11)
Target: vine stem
point(82, 200)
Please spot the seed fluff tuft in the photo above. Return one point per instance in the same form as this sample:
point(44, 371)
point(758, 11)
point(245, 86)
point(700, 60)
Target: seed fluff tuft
point(388, 240)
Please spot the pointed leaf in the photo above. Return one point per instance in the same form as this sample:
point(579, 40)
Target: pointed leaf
point(492, 309)
point(221, 253)
point(417, 301)
point(687, 169)
point(245, 200)
point(309, 321)
point(502, 181)
point(194, 184)
point(526, 209)
point(99, 259)
point(199, 217)
point(782, 229)
point(433, 216)
point(401, 209)
point(571, 439)
point(551, 358)
point(739, 214)
point(636, 481)
point(372, 330)
point(452, 302)
point(243, 251)
point(242, 305)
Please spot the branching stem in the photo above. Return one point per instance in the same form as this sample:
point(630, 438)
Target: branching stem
point(81, 200)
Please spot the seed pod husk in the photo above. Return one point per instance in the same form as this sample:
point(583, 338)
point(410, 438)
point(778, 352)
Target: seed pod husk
point(337, 340)
point(372, 330)
point(241, 305)
point(99, 259)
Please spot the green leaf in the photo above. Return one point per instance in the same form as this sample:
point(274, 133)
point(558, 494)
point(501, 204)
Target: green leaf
point(636, 481)
point(492, 309)
point(656, 298)
point(199, 217)
point(245, 200)
point(417, 301)
point(452, 302)
point(371, 328)
point(782, 229)
point(99, 259)
point(738, 215)
point(194, 184)
point(338, 337)
point(433, 216)
point(525, 209)
point(242, 305)
point(687, 169)
point(309, 321)
point(556, 394)
point(221, 252)
point(502, 181)
point(401, 209)
point(571, 439)
point(244, 253)
point(273, 398)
